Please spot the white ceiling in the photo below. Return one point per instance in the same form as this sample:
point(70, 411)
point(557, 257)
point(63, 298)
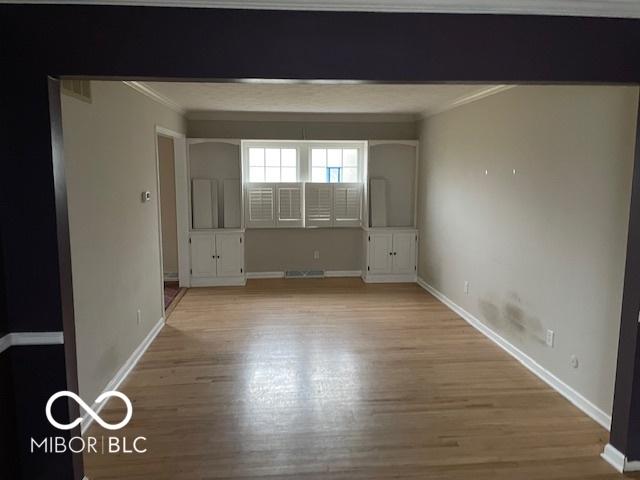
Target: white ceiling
point(598, 8)
point(334, 98)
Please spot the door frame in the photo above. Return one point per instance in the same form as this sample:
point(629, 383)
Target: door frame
point(182, 204)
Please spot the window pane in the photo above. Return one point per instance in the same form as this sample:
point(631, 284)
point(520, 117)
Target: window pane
point(318, 157)
point(256, 174)
point(256, 157)
point(334, 157)
point(318, 174)
point(288, 157)
point(273, 174)
point(272, 157)
point(349, 174)
point(350, 157)
point(334, 174)
point(288, 174)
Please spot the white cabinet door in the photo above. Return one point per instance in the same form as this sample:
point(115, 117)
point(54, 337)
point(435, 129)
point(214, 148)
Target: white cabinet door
point(404, 252)
point(380, 253)
point(203, 251)
point(230, 253)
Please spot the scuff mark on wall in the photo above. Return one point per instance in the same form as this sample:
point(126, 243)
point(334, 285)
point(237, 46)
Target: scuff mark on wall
point(509, 317)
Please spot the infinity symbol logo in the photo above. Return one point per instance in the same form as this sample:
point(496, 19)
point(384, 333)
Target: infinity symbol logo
point(89, 410)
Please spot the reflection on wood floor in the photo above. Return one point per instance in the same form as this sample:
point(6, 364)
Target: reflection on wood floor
point(335, 379)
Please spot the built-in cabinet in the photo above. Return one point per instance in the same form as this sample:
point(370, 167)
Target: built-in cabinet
point(390, 255)
point(216, 233)
point(390, 240)
point(217, 258)
point(222, 202)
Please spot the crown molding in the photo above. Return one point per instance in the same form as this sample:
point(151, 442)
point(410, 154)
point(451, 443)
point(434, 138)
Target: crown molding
point(155, 96)
point(580, 8)
point(466, 99)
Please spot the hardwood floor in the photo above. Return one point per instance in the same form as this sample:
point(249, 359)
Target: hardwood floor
point(335, 379)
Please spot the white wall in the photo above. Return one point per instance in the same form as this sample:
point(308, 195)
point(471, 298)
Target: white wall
point(396, 165)
point(110, 155)
point(278, 250)
point(217, 162)
point(543, 248)
point(284, 126)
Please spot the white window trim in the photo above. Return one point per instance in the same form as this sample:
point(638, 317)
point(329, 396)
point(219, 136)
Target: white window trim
point(360, 146)
point(303, 174)
point(247, 144)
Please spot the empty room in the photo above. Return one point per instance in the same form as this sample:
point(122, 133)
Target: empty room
point(308, 275)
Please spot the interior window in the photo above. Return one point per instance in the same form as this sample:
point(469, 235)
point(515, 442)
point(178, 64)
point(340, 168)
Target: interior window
point(273, 164)
point(334, 165)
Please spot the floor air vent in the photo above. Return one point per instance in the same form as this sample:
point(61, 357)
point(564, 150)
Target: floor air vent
point(304, 274)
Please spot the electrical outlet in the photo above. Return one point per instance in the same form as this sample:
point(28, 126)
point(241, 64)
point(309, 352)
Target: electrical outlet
point(574, 361)
point(466, 288)
point(139, 316)
point(549, 338)
point(316, 254)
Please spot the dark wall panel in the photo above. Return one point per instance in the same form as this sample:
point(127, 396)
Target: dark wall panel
point(214, 43)
point(8, 434)
point(38, 373)
point(36, 41)
point(4, 317)
point(28, 216)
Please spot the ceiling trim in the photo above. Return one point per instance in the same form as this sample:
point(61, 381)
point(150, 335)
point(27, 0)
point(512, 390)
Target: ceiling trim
point(473, 97)
point(583, 8)
point(155, 96)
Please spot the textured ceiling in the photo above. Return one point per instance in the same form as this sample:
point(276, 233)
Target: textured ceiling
point(313, 98)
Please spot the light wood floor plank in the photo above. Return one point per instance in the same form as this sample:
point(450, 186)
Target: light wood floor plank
point(335, 379)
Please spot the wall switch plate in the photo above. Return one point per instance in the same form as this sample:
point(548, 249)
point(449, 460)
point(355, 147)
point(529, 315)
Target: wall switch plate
point(549, 338)
point(139, 316)
point(316, 254)
point(466, 288)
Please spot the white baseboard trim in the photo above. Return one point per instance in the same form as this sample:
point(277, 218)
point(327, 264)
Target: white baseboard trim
point(546, 376)
point(342, 273)
point(390, 278)
point(617, 460)
point(613, 457)
point(170, 276)
point(16, 339)
point(124, 371)
point(265, 274)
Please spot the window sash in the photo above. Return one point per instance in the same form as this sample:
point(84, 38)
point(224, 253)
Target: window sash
point(273, 164)
point(335, 163)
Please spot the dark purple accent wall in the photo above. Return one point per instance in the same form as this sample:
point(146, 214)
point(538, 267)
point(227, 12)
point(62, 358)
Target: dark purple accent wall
point(37, 41)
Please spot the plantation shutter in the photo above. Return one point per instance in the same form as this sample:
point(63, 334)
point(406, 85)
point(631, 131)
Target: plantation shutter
point(347, 204)
point(289, 205)
point(260, 205)
point(319, 204)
